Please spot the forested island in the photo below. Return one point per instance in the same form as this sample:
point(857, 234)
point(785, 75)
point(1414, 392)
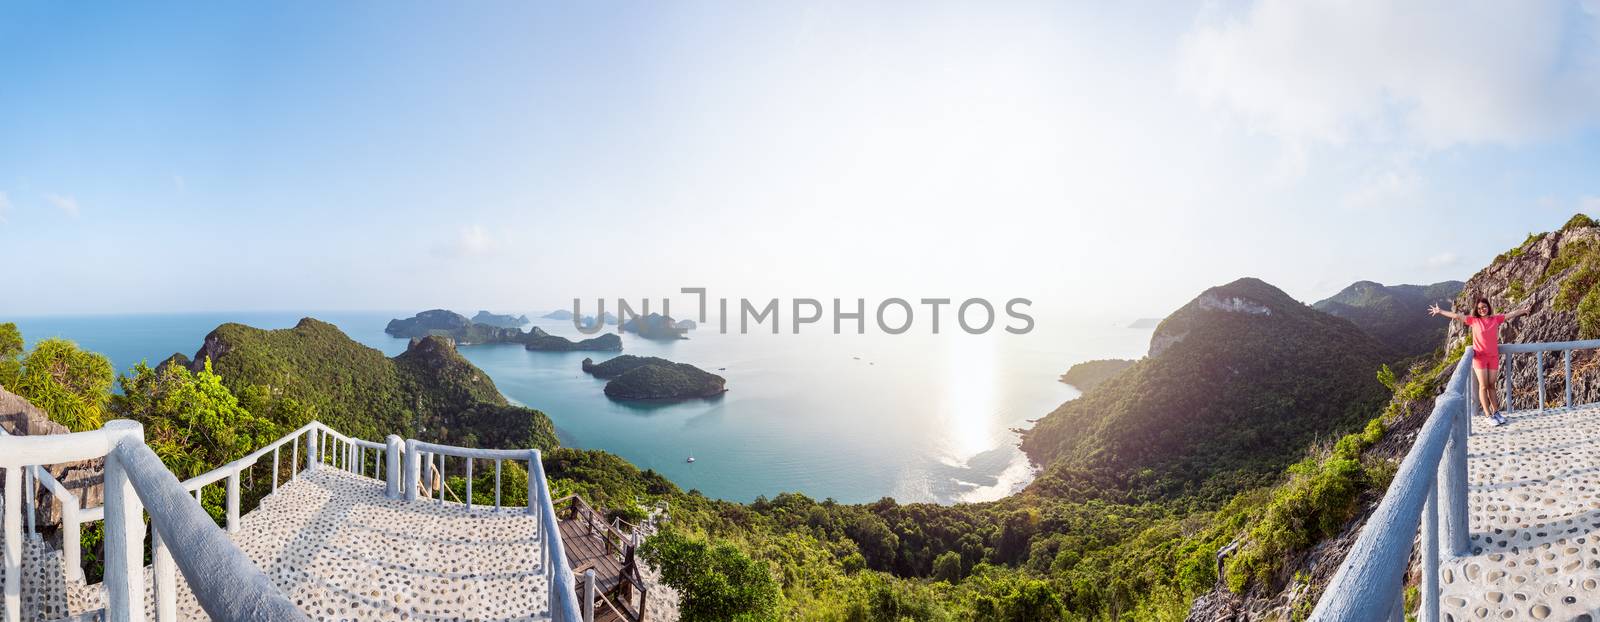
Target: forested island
point(652, 378)
point(503, 321)
point(445, 323)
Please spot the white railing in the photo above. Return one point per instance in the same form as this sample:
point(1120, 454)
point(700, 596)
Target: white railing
point(564, 602)
point(222, 578)
point(1430, 488)
point(324, 448)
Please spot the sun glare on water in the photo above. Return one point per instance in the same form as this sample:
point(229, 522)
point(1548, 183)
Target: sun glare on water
point(969, 407)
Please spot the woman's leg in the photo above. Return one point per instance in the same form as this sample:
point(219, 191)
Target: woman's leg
point(1493, 386)
point(1486, 393)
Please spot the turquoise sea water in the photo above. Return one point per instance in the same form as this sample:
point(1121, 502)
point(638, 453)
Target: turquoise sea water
point(852, 417)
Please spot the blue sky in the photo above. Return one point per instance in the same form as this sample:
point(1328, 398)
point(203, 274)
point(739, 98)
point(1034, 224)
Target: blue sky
point(515, 155)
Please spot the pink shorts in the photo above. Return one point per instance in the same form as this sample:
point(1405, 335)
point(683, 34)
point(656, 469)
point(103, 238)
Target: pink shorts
point(1486, 360)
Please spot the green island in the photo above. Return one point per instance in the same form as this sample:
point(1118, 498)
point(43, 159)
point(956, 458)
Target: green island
point(445, 323)
point(652, 378)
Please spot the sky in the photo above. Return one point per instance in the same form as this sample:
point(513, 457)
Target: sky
point(514, 155)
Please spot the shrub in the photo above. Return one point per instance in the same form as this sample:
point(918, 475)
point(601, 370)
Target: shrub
point(69, 384)
point(1578, 220)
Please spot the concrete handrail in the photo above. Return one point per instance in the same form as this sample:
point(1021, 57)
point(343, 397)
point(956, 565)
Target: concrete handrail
point(563, 585)
point(184, 536)
point(1588, 344)
point(223, 579)
point(1369, 584)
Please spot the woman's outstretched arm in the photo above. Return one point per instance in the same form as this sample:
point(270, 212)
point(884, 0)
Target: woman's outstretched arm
point(1435, 310)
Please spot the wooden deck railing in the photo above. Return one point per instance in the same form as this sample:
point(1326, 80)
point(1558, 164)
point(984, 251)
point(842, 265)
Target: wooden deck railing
point(627, 584)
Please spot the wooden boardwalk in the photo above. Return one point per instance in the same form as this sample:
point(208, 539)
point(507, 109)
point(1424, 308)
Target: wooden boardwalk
point(593, 544)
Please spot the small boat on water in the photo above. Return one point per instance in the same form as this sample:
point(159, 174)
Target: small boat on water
point(691, 459)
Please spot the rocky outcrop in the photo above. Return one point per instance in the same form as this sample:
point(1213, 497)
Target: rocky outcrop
point(1556, 275)
point(651, 378)
point(538, 339)
point(685, 325)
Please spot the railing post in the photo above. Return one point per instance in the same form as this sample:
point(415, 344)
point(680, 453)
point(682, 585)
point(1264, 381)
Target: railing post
point(28, 507)
point(312, 457)
point(497, 485)
point(166, 578)
point(71, 539)
point(413, 470)
point(534, 465)
point(1452, 476)
point(391, 458)
point(124, 532)
point(588, 595)
point(233, 502)
point(13, 542)
point(1566, 356)
point(469, 483)
point(1538, 361)
point(1509, 369)
point(1428, 611)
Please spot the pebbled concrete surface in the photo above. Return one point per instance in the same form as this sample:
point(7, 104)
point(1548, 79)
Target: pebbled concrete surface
point(343, 551)
point(1534, 507)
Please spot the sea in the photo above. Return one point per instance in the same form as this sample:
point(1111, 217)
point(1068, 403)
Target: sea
point(855, 418)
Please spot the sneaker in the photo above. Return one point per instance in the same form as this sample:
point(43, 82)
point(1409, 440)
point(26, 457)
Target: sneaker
point(1499, 419)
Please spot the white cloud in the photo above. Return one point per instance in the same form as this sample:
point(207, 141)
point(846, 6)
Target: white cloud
point(470, 241)
point(1442, 260)
point(66, 204)
point(1435, 72)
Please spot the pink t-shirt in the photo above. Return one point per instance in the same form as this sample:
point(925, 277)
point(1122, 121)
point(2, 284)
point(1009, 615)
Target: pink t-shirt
point(1486, 336)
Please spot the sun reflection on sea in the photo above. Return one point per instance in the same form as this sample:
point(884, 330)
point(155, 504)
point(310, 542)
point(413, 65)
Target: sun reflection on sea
point(969, 406)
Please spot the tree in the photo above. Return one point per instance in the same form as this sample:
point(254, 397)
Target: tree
point(947, 567)
point(714, 581)
point(69, 384)
point(10, 350)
